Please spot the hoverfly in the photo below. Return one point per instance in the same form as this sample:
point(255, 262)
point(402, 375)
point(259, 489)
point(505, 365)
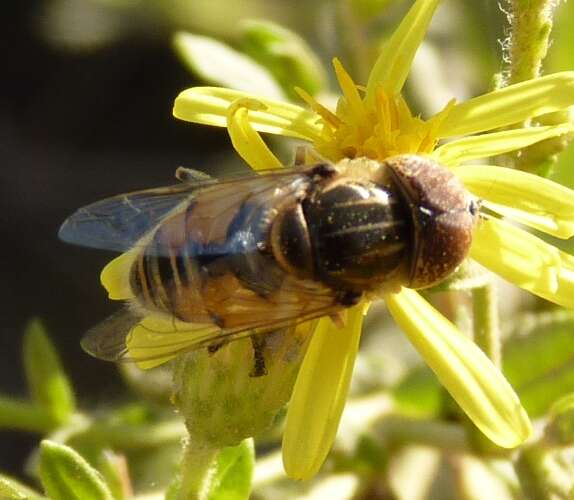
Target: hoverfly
point(221, 260)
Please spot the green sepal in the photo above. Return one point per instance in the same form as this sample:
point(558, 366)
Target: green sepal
point(285, 54)
point(232, 473)
point(65, 475)
point(538, 359)
point(219, 414)
point(219, 64)
point(49, 386)
point(11, 489)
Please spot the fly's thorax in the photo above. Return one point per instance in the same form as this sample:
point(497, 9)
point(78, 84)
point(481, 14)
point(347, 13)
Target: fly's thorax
point(291, 243)
point(443, 216)
point(359, 232)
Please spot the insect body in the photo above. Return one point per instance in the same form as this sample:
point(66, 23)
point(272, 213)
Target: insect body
point(228, 259)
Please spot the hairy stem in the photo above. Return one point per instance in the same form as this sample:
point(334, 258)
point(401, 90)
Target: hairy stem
point(196, 472)
point(530, 26)
point(531, 23)
point(485, 321)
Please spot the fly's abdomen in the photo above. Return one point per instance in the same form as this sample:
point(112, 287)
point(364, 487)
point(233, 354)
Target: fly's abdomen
point(165, 276)
point(202, 273)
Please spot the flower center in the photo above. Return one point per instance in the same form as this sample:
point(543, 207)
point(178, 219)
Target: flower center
point(377, 130)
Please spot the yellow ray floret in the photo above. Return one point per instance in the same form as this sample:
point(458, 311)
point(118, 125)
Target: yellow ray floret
point(115, 277)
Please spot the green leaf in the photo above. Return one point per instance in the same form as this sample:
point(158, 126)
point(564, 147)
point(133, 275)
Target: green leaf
point(11, 489)
point(115, 472)
point(21, 415)
point(233, 472)
point(219, 64)
point(285, 54)
point(49, 385)
point(65, 475)
point(539, 359)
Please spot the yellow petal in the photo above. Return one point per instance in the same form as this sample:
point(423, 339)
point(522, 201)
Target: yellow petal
point(509, 105)
point(328, 117)
point(526, 198)
point(463, 369)
point(115, 277)
point(349, 89)
point(517, 256)
point(209, 106)
point(246, 141)
point(394, 61)
point(319, 395)
point(485, 145)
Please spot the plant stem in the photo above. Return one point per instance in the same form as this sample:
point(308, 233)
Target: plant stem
point(485, 321)
point(195, 472)
point(531, 23)
point(530, 26)
point(542, 473)
point(400, 430)
point(133, 437)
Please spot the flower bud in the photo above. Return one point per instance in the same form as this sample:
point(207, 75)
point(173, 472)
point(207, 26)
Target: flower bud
point(233, 392)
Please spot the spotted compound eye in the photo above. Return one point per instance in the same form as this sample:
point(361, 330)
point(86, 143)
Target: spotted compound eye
point(443, 217)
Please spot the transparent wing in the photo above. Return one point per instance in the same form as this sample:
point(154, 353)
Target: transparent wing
point(117, 223)
point(153, 340)
point(120, 222)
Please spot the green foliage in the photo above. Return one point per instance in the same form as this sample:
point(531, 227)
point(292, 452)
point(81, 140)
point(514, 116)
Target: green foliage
point(367, 9)
point(49, 386)
point(232, 473)
point(11, 489)
point(539, 360)
point(419, 393)
point(285, 54)
point(113, 469)
point(15, 414)
point(67, 476)
point(560, 428)
point(219, 64)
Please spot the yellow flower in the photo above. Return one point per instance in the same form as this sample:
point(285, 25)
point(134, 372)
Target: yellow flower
point(377, 123)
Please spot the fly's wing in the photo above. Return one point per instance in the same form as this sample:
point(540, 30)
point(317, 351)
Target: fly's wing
point(153, 340)
point(119, 222)
point(107, 340)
